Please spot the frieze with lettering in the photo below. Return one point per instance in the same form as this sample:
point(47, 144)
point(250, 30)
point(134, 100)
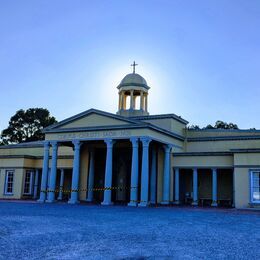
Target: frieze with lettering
point(94, 135)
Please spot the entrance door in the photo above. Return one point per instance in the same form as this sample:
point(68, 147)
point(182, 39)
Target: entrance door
point(121, 183)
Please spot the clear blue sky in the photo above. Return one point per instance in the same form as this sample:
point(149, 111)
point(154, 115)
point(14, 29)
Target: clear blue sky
point(201, 58)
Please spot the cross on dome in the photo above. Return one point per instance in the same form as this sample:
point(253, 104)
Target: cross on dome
point(134, 64)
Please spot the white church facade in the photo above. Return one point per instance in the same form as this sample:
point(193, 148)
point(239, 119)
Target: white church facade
point(135, 159)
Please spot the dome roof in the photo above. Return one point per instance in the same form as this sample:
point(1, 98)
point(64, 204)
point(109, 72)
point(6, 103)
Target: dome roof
point(133, 79)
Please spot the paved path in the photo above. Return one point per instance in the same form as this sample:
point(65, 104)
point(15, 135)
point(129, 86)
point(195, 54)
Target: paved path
point(61, 231)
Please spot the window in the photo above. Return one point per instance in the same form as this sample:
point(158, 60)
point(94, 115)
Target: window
point(255, 186)
point(28, 183)
point(9, 181)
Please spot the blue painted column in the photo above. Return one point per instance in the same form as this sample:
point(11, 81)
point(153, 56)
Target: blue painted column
point(177, 186)
point(195, 187)
point(145, 172)
point(166, 175)
point(75, 173)
point(45, 168)
point(153, 178)
point(36, 179)
point(53, 175)
point(134, 173)
point(108, 173)
point(61, 184)
point(214, 188)
point(91, 176)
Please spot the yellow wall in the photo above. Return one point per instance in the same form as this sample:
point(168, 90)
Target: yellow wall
point(94, 120)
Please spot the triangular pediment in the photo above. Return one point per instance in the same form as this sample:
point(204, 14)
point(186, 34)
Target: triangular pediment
point(92, 118)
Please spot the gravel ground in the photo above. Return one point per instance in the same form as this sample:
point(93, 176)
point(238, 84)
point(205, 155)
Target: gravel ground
point(62, 231)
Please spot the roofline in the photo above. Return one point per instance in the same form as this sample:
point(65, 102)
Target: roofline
point(225, 130)
point(223, 138)
point(116, 127)
point(87, 112)
point(133, 84)
point(23, 145)
point(161, 116)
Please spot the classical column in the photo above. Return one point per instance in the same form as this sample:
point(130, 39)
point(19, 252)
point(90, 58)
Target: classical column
point(195, 187)
point(153, 178)
point(214, 188)
point(75, 173)
point(45, 167)
point(141, 100)
point(52, 186)
point(108, 173)
point(132, 99)
point(61, 184)
point(146, 102)
point(90, 176)
point(177, 185)
point(145, 172)
point(134, 173)
point(35, 188)
point(166, 175)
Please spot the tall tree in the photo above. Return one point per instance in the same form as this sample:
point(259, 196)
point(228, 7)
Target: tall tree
point(27, 125)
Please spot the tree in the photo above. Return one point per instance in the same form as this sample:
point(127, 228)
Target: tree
point(27, 125)
point(218, 125)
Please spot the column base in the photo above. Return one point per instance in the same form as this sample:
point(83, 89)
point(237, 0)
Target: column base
point(73, 202)
point(143, 204)
point(40, 201)
point(105, 203)
point(59, 199)
point(194, 203)
point(164, 202)
point(89, 200)
point(214, 204)
point(176, 202)
point(132, 204)
point(50, 201)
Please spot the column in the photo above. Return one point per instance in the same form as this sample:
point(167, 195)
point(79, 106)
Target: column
point(134, 173)
point(108, 173)
point(141, 100)
point(146, 102)
point(45, 167)
point(132, 100)
point(90, 176)
point(195, 187)
point(145, 172)
point(214, 188)
point(166, 175)
point(177, 186)
point(61, 184)
point(36, 179)
point(75, 173)
point(51, 192)
point(153, 178)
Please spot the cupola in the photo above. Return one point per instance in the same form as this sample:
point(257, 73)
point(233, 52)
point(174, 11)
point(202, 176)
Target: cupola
point(133, 95)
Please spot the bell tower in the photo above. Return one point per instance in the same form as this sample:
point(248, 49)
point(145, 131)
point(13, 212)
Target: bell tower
point(133, 95)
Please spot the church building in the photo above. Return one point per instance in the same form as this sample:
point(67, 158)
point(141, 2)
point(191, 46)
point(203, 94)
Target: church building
point(133, 158)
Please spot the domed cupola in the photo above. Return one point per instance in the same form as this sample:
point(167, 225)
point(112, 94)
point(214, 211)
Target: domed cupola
point(133, 95)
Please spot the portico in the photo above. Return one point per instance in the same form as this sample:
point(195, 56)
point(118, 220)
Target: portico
point(142, 184)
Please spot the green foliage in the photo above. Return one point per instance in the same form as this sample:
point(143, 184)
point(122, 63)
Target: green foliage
point(218, 125)
point(27, 125)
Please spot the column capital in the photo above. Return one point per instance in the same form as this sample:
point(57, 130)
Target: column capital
point(145, 141)
point(167, 148)
point(214, 169)
point(76, 143)
point(46, 144)
point(54, 144)
point(134, 141)
point(195, 169)
point(109, 142)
